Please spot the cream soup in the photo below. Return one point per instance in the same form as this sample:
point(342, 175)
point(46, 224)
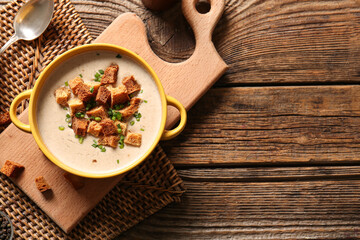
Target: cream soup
point(63, 144)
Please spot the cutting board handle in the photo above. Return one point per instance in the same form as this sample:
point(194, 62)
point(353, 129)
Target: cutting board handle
point(203, 24)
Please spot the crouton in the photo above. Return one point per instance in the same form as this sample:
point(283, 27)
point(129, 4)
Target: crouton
point(76, 181)
point(62, 95)
point(5, 118)
point(76, 105)
point(123, 127)
point(103, 95)
point(94, 128)
point(119, 95)
point(97, 112)
point(80, 125)
point(75, 83)
point(133, 139)
point(94, 87)
point(110, 74)
point(131, 84)
point(84, 93)
point(111, 141)
point(108, 127)
point(12, 169)
point(131, 109)
point(41, 184)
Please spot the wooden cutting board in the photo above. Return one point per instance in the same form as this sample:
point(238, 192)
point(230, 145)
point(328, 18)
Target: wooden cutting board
point(186, 81)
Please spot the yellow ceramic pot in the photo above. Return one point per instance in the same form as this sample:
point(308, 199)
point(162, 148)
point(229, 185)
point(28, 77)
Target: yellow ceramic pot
point(34, 93)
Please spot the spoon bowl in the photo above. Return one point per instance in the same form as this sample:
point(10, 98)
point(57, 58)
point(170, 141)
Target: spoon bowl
point(31, 21)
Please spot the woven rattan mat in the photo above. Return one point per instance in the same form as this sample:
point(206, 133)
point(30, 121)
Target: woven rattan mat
point(143, 191)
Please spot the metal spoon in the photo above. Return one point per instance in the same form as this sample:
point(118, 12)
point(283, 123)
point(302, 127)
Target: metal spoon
point(31, 21)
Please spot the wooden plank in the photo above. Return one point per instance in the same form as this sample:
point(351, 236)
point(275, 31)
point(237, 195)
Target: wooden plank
point(264, 42)
point(301, 209)
point(271, 125)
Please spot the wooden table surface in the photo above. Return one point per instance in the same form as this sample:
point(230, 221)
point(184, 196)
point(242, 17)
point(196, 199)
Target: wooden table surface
point(272, 151)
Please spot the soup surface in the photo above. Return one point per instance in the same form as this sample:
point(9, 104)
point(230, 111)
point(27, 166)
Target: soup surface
point(83, 156)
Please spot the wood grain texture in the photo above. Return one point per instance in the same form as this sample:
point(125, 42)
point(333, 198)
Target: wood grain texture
point(246, 207)
point(268, 125)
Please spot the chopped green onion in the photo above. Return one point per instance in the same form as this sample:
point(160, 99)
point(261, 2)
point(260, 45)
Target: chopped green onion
point(113, 118)
point(145, 101)
point(77, 136)
point(118, 161)
point(122, 137)
point(97, 75)
point(141, 91)
point(98, 119)
point(65, 108)
point(121, 146)
point(103, 149)
point(92, 89)
point(68, 116)
point(141, 129)
point(70, 125)
point(66, 84)
point(78, 114)
point(67, 120)
point(81, 140)
point(80, 75)
point(118, 56)
point(132, 123)
point(117, 107)
point(119, 130)
point(61, 128)
point(101, 71)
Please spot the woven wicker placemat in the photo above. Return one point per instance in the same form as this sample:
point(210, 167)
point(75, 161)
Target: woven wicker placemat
point(143, 191)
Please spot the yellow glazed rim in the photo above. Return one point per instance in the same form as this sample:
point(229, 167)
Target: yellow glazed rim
point(67, 55)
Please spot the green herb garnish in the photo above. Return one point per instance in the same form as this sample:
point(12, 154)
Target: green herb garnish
point(101, 147)
point(145, 101)
point(132, 123)
point(141, 91)
point(61, 128)
point(65, 108)
point(137, 116)
point(79, 115)
point(118, 161)
point(80, 75)
point(66, 84)
point(98, 119)
point(68, 116)
point(121, 142)
point(92, 89)
point(98, 75)
point(67, 120)
point(70, 125)
point(141, 129)
point(81, 140)
point(101, 71)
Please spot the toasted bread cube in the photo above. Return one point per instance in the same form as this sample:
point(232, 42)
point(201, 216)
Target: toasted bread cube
point(80, 126)
point(62, 95)
point(76, 105)
point(41, 184)
point(119, 95)
point(94, 128)
point(108, 127)
point(94, 86)
point(97, 112)
point(84, 93)
point(75, 83)
point(76, 181)
point(5, 118)
point(131, 84)
point(103, 95)
point(111, 141)
point(131, 109)
point(110, 74)
point(12, 169)
point(133, 139)
point(123, 127)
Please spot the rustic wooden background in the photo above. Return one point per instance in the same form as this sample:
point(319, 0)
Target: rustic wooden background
point(272, 150)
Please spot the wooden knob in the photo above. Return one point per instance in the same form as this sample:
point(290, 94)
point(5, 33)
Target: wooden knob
point(158, 5)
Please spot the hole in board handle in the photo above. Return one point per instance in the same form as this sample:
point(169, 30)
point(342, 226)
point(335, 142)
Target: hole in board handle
point(203, 6)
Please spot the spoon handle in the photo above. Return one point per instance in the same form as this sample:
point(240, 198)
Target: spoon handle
point(13, 39)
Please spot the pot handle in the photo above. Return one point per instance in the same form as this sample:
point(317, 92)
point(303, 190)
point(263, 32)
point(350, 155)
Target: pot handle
point(170, 134)
point(15, 103)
